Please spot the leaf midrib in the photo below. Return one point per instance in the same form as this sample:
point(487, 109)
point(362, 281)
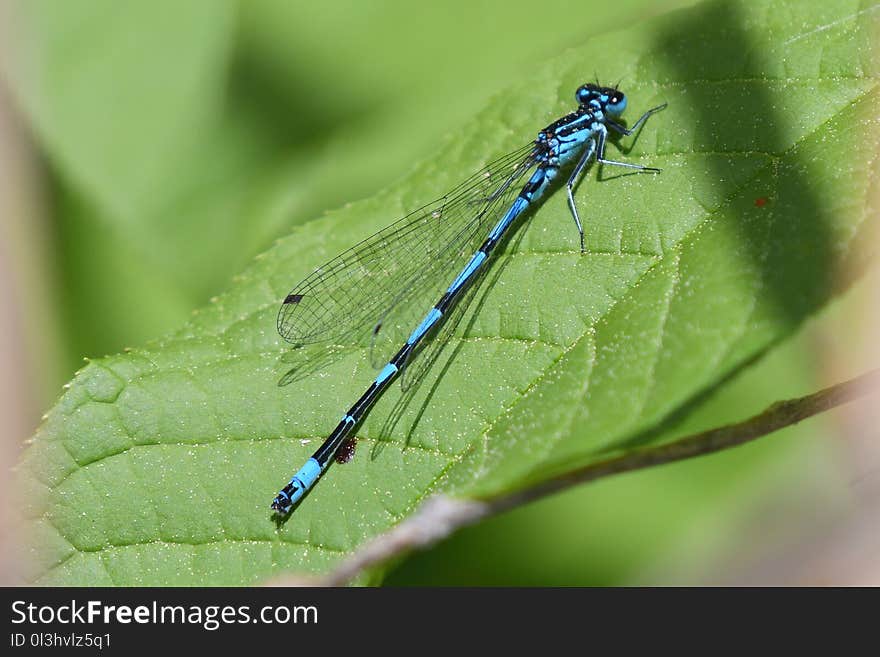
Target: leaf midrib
point(548, 445)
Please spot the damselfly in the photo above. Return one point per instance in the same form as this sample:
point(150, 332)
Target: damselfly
point(383, 280)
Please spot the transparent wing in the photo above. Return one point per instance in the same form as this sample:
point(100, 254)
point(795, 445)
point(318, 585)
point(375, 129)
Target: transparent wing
point(346, 295)
point(434, 343)
point(428, 285)
point(434, 346)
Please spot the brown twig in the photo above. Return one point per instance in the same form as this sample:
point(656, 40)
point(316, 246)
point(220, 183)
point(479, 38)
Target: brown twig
point(440, 515)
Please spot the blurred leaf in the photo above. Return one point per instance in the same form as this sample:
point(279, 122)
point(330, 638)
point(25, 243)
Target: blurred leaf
point(117, 92)
point(182, 140)
point(157, 466)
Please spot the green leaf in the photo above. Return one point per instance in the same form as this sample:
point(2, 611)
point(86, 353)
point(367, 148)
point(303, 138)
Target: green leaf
point(157, 466)
point(220, 124)
point(663, 524)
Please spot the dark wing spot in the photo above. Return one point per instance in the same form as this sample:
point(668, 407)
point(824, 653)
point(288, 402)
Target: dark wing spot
point(292, 298)
point(377, 328)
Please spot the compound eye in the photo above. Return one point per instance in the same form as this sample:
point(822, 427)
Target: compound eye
point(616, 103)
point(585, 93)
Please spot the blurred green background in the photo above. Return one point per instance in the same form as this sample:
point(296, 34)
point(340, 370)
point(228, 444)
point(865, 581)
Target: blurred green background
point(157, 147)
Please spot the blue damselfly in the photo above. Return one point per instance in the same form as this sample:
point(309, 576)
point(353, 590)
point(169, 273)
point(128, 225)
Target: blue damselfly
point(437, 252)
